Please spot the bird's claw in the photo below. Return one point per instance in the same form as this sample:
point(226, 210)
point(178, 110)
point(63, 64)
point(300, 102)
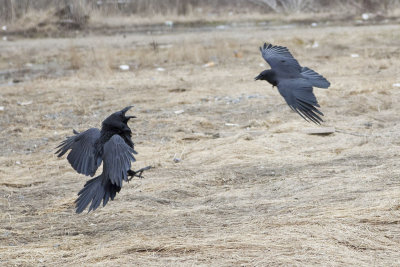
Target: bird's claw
point(137, 173)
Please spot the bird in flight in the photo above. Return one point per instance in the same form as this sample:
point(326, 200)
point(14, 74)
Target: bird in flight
point(111, 145)
point(295, 83)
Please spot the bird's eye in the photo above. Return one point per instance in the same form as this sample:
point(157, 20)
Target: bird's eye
point(283, 61)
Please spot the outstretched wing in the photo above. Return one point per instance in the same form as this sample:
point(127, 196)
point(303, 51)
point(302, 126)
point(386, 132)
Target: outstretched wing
point(117, 158)
point(83, 156)
point(280, 59)
point(299, 95)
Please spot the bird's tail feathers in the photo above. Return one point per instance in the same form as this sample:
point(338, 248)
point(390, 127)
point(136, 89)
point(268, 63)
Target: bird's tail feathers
point(314, 78)
point(95, 190)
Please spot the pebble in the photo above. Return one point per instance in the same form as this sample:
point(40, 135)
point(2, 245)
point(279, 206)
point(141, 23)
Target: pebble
point(124, 67)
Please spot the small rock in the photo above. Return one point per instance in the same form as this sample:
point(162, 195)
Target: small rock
point(365, 16)
point(255, 96)
point(320, 131)
point(237, 54)
point(315, 44)
point(209, 64)
point(25, 103)
point(1, 108)
point(4, 28)
point(368, 125)
point(169, 23)
point(18, 162)
point(160, 69)
point(124, 67)
point(355, 55)
point(4, 38)
point(396, 84)
point(231, 124)
point(314, 24)
point(179, 111)
point(221, 27)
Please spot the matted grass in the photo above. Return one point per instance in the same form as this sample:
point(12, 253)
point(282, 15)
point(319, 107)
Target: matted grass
point(251, 188)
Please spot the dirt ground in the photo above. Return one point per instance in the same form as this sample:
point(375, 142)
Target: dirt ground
point(250, 186)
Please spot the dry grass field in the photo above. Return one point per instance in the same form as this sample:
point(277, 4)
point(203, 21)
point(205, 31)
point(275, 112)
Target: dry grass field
point(251, 187)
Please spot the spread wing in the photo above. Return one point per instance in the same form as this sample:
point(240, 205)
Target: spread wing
point(299, 95)
point(280, 59)
point(83, 157)
point(117, 157)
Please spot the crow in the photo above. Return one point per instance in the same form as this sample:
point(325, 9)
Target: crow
point(295, 83)
point(111, 145)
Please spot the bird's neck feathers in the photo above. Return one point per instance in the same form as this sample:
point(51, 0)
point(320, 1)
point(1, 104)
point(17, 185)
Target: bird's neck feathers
point(115, 127)
point(269, 76)
point(123, 130)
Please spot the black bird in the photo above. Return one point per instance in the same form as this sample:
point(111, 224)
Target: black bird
point(295, 83)
point(112, 145)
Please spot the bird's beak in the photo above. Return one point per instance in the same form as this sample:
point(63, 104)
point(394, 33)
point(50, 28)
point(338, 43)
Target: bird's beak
point(257, 78)
point(126, 109)
point(130, 117)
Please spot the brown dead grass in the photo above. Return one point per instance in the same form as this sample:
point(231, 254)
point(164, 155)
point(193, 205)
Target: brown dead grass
point(256, 191)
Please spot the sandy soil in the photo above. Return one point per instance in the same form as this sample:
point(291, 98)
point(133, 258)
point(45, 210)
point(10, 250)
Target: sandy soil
point(251, 188)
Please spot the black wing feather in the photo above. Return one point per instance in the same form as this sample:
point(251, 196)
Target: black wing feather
point(117, 158)
point(280, 59)
point(298, 94)
point(83, 155)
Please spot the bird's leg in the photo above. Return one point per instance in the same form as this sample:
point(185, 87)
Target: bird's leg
point(137, 173)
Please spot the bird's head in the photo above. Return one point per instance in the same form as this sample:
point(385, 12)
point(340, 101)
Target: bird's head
point(267, 75)
point(118, 119)
point(262, 76)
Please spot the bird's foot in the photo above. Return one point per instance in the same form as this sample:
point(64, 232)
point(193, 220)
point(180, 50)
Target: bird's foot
point(137, 173)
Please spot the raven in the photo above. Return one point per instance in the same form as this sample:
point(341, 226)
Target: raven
point(112, 145)
point(295, 83)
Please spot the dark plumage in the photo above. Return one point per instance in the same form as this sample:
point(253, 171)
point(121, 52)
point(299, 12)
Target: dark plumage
point(295, 83)
point(112, 145)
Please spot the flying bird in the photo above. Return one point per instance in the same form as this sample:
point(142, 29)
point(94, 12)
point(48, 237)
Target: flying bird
point(295, 83)
point(111, 145)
